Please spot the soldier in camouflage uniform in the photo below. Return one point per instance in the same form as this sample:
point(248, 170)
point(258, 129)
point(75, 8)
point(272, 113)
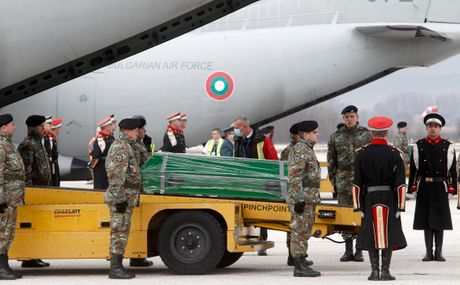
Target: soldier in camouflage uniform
point(125, 184)
point(36, 163)
point(12, 183)
point(294, 138)
point(303, 196)
point(400, 141)
point(340, 158)
point(142, 156)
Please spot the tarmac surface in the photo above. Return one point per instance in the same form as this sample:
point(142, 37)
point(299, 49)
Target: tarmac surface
point(406, 266)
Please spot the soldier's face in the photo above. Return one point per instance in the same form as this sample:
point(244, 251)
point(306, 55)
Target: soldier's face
point(142, 132)
point(433, 130)
point(39, 129)
point(47, 126)
point(9, 128)
point(296, 138)
point(312, 136)
point(350, 119)
point(132, 133)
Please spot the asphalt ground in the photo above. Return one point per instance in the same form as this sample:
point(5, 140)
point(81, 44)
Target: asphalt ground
point(272, 269)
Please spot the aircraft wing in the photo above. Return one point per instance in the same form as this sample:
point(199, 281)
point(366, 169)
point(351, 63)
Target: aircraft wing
point(46, 43)
point(403, 31)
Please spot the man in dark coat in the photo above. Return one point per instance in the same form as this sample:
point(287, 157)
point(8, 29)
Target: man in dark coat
point(174, 139)
point(379, 193)
point(433, 175)
point(100, 149)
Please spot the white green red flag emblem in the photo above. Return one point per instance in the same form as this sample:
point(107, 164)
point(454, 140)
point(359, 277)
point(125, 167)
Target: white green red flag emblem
point(219, 85)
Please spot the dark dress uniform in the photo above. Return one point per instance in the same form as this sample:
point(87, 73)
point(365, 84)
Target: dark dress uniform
point(101, 148)
point(174, 140)
point(51, 147)
point(379, 191)
point(432, 174)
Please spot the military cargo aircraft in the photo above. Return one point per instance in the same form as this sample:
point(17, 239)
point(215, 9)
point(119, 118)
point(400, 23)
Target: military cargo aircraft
point(266, 61)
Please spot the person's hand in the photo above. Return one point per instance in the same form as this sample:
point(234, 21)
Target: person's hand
point(398, 214)
point(361, 213)
point(299, 207)
point(412, 189)
point(121, 207)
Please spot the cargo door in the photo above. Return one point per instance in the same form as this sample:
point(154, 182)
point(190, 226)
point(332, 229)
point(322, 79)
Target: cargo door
point(444, 11)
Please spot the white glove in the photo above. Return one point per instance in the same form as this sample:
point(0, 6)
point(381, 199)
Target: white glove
point(362, 214)
point(398, 214)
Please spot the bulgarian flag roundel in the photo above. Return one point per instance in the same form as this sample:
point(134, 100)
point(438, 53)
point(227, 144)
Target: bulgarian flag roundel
point(219, 85)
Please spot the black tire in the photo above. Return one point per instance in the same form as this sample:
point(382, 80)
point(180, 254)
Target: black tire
point(229, 258)
point(191, 242)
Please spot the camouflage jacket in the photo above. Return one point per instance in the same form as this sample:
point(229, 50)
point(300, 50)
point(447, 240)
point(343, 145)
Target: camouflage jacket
point(400, 142)
point(304, 174)
point(12, 177)
point(286, 151)
point(341, 149)
point(141, 152)
point(35, 158)
point(123, 173)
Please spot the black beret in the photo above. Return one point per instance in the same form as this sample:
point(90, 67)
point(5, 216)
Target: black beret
point(267, 129)
point(35, 120)
point(402, 124)
point(5, 119)
point(434, 118)
point(129, 124)
point(349, 109)
point(141, 119)
point(294, 129)
point(307, 126)
point(340, 125)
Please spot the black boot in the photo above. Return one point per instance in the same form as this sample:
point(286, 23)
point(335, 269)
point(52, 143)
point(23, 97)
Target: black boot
point(117, 271)
point(428, 245)
point(374, 258)
point(34, 263)
point(140, 262)
point(5, 274)
point(290, 262)
point(386, 260)
point(306, 262)
point(358, 257)
point(4, 258)
point(301, 270)
point(348, 255)
point(438, 239)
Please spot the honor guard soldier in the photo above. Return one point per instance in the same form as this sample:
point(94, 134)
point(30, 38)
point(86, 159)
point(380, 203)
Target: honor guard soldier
point(341, 158)
point(50, 143)
point(12, 183)
point(433, 175)
point(174, 139)
point(303, 195)
point(36, 163)
point(101, 146)
point(400, 140)
point(379, 193)
point(125, 184)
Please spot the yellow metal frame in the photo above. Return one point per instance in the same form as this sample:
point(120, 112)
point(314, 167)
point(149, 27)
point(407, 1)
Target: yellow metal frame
point(60, 223)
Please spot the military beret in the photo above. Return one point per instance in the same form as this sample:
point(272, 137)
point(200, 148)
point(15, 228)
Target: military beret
point(340, 125)
point(434, 118)
point(307, 126)
point(129, 124)
point(379, 123)
point(267, 129)
point(141, 119)
point(401, 124)
point(294, 129)
point(35, 120)
point(349, 109)
point(5, 119)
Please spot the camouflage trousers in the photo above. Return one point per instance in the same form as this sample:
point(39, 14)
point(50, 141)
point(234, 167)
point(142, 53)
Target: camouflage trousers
point(7, 229)
point(301, 225)
point(120, 224)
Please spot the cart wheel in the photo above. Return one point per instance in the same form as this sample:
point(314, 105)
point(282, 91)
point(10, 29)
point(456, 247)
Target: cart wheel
point(191, 242)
